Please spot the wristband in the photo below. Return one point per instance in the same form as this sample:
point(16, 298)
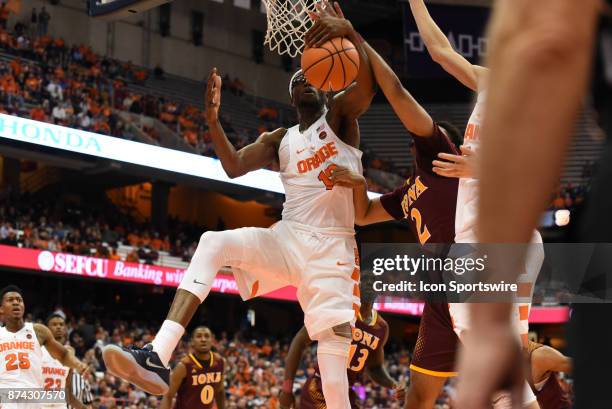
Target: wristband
point(288, 386)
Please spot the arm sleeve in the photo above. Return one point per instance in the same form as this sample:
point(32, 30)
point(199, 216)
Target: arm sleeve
point(392, 202)
point(428, 147)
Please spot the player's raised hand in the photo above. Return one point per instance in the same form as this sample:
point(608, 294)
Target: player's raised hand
point(329, 23)
point(212, 96)
point(456, 166)
point(82, 368)
point(342, 176)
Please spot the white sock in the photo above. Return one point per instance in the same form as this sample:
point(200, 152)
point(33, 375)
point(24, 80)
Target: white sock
point(167, 339)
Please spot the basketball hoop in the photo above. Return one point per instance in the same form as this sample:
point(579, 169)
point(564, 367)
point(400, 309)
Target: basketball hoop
point(288, 22)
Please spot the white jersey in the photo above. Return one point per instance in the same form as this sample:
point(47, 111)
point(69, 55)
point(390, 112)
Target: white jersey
point(54, 377)
point(20, 358)
point(467, 193)
point(306, 161)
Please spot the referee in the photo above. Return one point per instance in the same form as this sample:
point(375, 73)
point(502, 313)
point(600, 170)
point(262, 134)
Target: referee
point(81, 391)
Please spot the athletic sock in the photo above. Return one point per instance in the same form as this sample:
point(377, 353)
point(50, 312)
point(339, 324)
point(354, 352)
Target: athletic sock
point(166, 340)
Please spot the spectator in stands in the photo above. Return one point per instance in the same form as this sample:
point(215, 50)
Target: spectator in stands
point(237, 87)
point(43, 22)
point(59, 114)
point(33, 22)
point(158, 72)
point(132, 256)
point(4, 15)
point(37, 114)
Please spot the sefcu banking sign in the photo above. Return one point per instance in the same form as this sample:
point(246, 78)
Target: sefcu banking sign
point(108, 147)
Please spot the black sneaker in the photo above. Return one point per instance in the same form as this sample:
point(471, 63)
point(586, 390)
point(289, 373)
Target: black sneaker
point(139, 366)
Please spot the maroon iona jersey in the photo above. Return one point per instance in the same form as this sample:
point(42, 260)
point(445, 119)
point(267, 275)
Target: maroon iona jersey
point(203, 377)
point(428, 201)
point(367, 338)
point(551, 395)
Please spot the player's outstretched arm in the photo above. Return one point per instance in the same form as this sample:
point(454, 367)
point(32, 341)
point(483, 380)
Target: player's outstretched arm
point(58, 351)
point(367, 211)
point(176, 378)
point(330, 23)
point(375, 367)
point(548, 359)
point(409, 111)
point(255, 156)
point(442, 51)
point(299, 343)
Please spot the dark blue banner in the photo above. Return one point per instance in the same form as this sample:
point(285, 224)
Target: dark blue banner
point(464, 26)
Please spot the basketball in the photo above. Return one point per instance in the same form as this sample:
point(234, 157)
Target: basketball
point(333, 66)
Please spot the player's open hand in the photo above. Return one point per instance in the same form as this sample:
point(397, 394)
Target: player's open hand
point(342, 176)
point(329, 23)
point(399, 392)
point(212, 96)
point(456, 166)
point(286, 400)
point(81, 367)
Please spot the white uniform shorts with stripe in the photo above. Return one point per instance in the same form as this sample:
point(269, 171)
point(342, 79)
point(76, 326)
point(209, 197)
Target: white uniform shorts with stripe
point(322, 264)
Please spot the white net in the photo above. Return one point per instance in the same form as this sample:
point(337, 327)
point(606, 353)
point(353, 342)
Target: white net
point(288, 21)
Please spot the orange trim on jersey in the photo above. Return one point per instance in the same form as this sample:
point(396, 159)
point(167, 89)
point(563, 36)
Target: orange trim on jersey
point(524, 289)
point(356, 309)
point(355, 275)
point(525, 340)
point(523, 312)
point(437, 374)
point(356, 291)
point(254, 289)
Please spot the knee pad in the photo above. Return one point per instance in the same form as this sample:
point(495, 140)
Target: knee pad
point(215, 250)
point(332, 343)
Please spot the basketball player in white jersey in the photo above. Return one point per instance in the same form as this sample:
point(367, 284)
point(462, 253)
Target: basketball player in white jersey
point(21, 343)
point(55, 375)
point(312, 247)
point(475, 77)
